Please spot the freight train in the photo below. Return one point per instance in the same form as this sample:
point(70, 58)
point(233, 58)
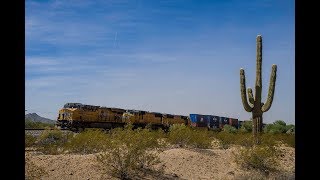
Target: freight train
point(77, 116)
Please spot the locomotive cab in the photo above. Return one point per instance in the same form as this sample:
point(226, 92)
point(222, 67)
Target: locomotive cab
point(65, 117)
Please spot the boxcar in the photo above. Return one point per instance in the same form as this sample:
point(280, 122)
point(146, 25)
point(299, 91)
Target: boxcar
point(199, 120)
point(213, 121)
point(233, 122)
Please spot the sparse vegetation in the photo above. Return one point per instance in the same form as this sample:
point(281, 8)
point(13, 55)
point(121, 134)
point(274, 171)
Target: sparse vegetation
point(52, 141)
point(258, 157)
point(245, 139)
point(29, 140)
point(246, 126)
point(277, 127)
point(229, 129)
point(31, 124)
point(185, 136)
point(130, 151)
point(273, 139)
point(88, 141)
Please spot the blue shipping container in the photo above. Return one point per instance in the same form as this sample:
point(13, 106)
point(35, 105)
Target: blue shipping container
point(213, 121)
point(193, 118)
point(224, 120)
point(199, 120)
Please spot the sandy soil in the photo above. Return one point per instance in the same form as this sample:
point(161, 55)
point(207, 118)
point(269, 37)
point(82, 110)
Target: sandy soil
point(177, 163)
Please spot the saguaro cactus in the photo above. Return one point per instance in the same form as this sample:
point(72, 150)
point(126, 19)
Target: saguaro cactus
point(255, 105)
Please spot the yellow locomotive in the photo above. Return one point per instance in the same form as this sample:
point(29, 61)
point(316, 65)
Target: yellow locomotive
point(77, 116)
point(155, 119)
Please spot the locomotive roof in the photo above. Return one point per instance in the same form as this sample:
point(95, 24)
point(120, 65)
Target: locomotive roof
point(79, 105)
point(156, 113)
point(70, 109)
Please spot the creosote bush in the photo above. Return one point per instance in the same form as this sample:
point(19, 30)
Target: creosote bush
point(29, 140)
point(246, 139)
point(88, 141)
point(53, 141)
point(226, 139)
point(274, 139)
point(278, 127)
point(130, 151)
point(31, 124)
point(258, 157)
point(246, 126)
point(229, 129)
point(185, 136)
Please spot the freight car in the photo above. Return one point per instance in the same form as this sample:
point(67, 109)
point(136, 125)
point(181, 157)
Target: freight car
point(212, 122)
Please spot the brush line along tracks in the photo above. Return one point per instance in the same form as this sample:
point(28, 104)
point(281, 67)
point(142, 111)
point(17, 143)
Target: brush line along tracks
point(38, 131)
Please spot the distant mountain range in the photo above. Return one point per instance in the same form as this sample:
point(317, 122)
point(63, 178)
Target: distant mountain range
point(36, 118)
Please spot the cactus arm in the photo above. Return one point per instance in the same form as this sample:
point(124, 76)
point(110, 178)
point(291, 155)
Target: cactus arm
point(246, 106)
point(250, 95)
point(258, 87)
point(272, 86)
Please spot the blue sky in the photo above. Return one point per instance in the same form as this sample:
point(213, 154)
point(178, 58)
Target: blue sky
point(170, 56)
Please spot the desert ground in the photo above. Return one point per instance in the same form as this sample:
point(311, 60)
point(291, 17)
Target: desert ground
point(176, 163)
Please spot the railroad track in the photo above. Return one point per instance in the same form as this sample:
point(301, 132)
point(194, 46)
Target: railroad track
point(35, 129)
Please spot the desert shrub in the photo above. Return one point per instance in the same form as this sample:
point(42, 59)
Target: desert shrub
point(244, 139)
point(53, 137)
point(200, 139)
point(31, 124)
point(229, 129)
point(268, 139)
point(273, 139)
point(247, 140)
point(259, 157)
point(289, 139)
point(290, 129)
point(88, 141)
point(53, 141)
point(184, 136)
point(29, 140)
point(240, 138)
point(179, 134)
point(276, 127)
point(129, 151)
point(280, 122)
point(226, 139)
point(246, 126)
point(267, 128)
